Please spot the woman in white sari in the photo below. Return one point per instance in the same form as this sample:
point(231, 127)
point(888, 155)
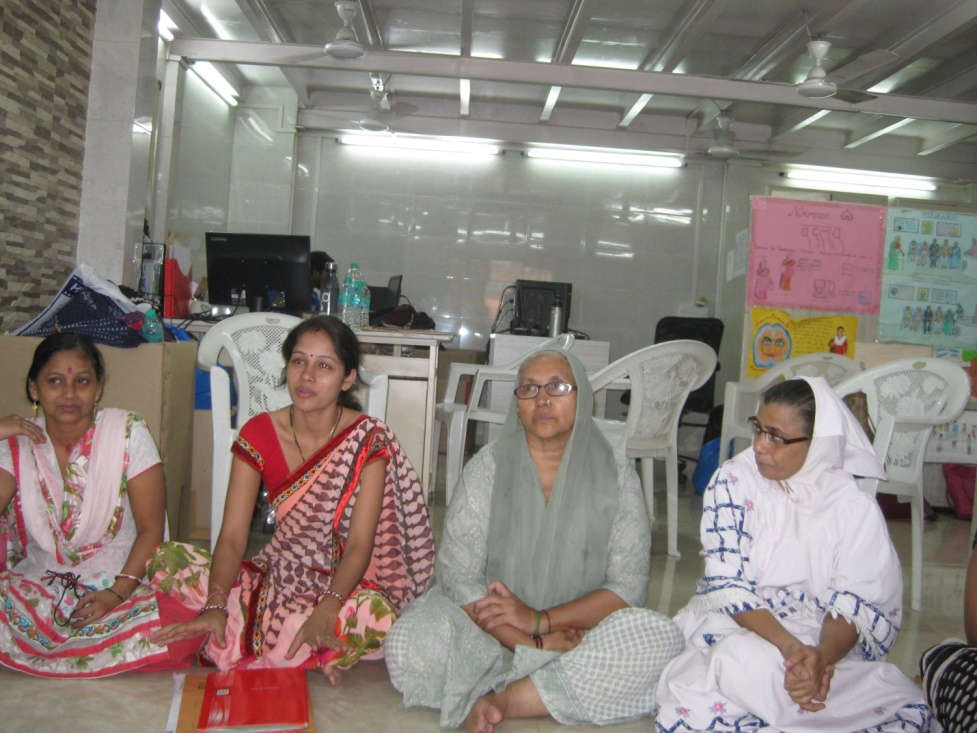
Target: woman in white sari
point(801, 598)
point(82, 501)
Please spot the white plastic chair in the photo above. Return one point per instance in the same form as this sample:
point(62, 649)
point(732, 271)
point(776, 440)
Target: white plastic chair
point(906, 398)
point(662, 376)
point(252, 342)
point(456, 415)
point(741, 398)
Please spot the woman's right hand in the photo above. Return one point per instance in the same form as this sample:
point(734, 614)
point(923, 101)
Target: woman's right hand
point(13, 425)
point(212, 622)
point(502, 607)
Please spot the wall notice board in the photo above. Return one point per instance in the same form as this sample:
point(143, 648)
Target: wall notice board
point(818, 255)
point(929, 282)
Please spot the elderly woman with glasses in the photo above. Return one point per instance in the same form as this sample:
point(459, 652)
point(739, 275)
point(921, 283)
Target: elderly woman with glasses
point(537, 606)
point(801, 598)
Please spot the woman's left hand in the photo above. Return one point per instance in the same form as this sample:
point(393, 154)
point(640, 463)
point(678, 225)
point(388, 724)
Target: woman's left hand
point(319, 630)
point(503, 607)
point(808, 678)
point(92, 606)
point(562, 641)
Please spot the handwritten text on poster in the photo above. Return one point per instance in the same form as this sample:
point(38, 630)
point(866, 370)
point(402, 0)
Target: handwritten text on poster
point(812, 254)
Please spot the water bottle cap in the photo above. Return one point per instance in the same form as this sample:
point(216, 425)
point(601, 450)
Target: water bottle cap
point(150, 314)
point(353, 264)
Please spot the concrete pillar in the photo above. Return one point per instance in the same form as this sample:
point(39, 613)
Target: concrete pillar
point(115, 173)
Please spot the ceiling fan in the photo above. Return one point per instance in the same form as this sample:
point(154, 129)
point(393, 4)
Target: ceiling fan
point(723, 146)
point(377, 116)
point(818, 85)
point(345, 45)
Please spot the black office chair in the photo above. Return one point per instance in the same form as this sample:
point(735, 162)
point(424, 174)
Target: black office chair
point(709, 331)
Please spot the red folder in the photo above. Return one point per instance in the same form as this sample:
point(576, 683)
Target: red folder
point(255, 700)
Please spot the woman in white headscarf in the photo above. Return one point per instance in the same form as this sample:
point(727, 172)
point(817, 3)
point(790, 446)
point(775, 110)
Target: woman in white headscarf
point(801, 597)
point(543, 572)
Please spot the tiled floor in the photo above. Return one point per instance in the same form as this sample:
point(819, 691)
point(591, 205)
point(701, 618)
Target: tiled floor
point(367, 702)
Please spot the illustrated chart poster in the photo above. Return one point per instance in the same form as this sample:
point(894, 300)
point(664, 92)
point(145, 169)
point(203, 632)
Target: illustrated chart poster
point(813, 254)
point(776, 337)
point(929, 279)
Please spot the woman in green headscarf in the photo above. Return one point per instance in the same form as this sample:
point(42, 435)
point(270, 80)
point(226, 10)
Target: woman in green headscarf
point(537, 607)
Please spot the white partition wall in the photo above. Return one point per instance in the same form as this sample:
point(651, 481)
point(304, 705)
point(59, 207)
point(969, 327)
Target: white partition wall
point(634, 243)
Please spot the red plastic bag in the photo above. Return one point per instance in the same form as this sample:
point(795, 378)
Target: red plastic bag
point(960, 488)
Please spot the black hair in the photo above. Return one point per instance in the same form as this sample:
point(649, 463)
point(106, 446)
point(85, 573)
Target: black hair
point(64, 341)
point(796, 393)
point(343, 340)
point(318, 260)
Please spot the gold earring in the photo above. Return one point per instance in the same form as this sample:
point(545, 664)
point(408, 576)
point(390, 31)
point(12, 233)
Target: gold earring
point(35, 406)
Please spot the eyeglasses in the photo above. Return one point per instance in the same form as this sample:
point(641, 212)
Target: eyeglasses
point(776, 438)
point(553, 389)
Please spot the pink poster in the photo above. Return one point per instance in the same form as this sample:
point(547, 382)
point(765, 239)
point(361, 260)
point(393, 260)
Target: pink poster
point(814, 254)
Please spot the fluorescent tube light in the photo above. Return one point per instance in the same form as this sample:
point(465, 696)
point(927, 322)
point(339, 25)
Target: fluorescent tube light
point(410, 143)
point(869, 180)
point(210, 76)
point(605, 156)
point(214, 22)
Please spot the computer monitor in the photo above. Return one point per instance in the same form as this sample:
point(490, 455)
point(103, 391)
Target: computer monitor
point(260, 265)
point(384, 299)
point(534, 298)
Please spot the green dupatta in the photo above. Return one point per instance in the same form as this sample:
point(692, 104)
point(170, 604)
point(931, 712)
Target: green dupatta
point(549, 554)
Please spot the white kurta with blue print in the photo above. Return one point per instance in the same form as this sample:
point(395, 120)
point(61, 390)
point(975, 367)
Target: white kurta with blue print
point(799, 555)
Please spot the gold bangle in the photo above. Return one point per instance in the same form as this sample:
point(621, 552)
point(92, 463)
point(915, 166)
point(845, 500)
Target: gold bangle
point(138, 581)
point(333, 594)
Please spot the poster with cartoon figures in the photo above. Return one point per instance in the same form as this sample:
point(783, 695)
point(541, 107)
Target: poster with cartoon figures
point(954, 442)
point(777, 337)
point(815, 254)
point(929, 281)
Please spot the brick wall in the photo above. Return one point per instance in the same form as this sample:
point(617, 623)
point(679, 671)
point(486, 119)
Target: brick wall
point(45, 60)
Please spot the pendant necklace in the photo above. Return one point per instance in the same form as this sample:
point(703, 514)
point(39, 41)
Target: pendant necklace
point(332, 432)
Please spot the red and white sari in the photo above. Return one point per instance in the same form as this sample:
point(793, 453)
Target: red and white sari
point(277, 590)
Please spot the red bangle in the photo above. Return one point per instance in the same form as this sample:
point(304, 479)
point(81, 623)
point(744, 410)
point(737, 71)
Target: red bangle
point(538, 640)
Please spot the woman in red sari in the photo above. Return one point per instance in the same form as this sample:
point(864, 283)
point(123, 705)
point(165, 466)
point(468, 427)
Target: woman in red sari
point(352, 542)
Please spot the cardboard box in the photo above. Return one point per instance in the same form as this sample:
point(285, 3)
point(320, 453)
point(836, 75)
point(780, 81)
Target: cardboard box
point(195, 514)
point(152, 380)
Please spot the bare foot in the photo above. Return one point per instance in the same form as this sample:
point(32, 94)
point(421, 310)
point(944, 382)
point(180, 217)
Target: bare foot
point(333, 674)
point(485, 715)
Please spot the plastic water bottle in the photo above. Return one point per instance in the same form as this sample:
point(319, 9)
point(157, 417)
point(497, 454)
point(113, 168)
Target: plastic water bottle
point(152, 328)
point(355, 305)
point(364, 305)
point(329, 291)
point(347, 308)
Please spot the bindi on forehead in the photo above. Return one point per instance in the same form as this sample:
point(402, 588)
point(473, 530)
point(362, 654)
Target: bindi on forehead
point(314, 356)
